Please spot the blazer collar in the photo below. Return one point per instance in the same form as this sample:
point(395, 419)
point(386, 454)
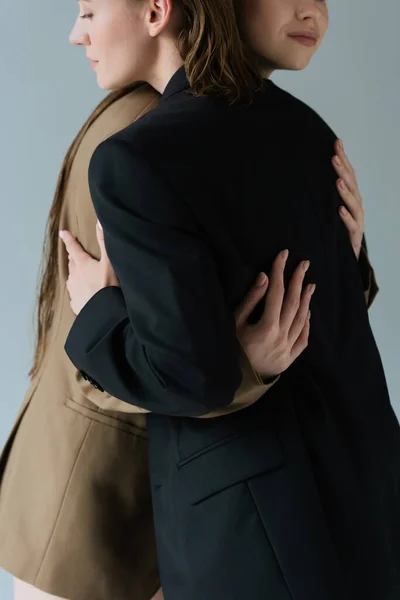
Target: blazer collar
point(177, 83)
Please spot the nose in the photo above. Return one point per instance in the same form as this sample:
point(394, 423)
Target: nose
point(79, 36)
point(307, 9)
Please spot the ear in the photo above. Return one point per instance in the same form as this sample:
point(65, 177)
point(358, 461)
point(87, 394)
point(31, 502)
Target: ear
point(160, 12)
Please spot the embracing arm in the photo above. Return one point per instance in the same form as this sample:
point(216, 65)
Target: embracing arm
point(252, 388)
point(166, 340)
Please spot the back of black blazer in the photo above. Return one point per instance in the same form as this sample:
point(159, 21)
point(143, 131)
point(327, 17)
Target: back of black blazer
point(195, 199)
point(198, 188)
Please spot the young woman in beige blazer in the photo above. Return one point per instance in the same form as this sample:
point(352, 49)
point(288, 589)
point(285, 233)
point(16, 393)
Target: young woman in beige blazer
point(74, 477)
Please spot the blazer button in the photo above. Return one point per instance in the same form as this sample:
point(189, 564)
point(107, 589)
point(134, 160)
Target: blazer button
point(96, 385)
point(91, 381)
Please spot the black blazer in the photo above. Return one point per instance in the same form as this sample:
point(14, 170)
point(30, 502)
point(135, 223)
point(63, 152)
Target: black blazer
point(297, 496)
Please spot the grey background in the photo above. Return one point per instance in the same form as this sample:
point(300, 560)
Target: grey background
point(48, 90)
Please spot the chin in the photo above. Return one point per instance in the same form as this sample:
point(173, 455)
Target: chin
point(102, 83)
point(111, 83)
point(106, 84)
point(297, 63)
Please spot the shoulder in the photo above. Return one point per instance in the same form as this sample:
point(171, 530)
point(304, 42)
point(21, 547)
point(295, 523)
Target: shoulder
point(134, 105)
point(123, 112)
point(316, 125)
point(124, 180)
point(169, 127)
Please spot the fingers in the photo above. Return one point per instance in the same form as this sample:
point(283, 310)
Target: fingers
point(276, 291)
point(346, 174)
point(293, 297)
point(100, 241)
point(73, 247)
point(302, 341)
point(339, 147)
point(348, 219)
point(302, 314)
point(255, 294)
point(353, 214)
point(346, 177)
point(353, 205)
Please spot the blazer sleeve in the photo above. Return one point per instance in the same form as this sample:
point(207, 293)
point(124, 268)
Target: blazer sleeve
point(252, 388)
point(371, 288)
point(165, 341)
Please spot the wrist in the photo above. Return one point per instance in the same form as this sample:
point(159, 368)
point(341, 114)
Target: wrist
point(267, 378)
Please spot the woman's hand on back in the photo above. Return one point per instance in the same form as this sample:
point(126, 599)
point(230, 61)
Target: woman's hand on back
point(353, 216)
point(281, 334)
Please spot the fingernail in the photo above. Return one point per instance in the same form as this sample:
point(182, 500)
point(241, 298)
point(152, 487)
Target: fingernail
point(343, 210)
point(285, 254)
point(99, 224)
point(337, 161)
point(313, 288)
point(261, 279)
point(309, 314)
point(306, 265)
point(341, 184)
point(61, 234)
point(341, 144)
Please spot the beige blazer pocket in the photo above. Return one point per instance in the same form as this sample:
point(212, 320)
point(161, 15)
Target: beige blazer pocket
point(94, 414)
point(104, 408)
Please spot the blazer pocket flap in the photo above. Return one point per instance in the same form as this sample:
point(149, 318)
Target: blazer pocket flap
point(95, 414)
point(239, 458)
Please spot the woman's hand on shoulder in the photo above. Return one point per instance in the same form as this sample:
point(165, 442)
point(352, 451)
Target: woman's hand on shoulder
point(281, 334)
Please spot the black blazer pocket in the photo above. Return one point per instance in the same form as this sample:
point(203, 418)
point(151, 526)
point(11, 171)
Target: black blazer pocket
point(228, 462)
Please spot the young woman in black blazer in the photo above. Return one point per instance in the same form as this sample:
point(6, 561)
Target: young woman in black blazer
point(296, 496)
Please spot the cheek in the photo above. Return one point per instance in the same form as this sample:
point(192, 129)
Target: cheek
point(126, 40)
point(261, 37)
point(324, 26)
point(263, 20)
point(323, 19)
point(105, 34)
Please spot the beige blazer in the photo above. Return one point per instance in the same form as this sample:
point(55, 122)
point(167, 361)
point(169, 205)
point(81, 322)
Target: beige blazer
point(75, 506)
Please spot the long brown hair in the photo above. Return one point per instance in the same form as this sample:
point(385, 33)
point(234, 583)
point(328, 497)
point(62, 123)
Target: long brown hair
point(48, 269)
point(217, 63)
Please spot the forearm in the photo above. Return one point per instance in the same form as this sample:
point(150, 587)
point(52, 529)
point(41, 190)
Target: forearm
point(103, 345)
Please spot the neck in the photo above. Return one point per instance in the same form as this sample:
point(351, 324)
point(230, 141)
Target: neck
point(266, 73)
point(168, 62)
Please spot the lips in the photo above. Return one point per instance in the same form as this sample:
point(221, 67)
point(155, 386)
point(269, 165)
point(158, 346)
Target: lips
point(304, 34)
